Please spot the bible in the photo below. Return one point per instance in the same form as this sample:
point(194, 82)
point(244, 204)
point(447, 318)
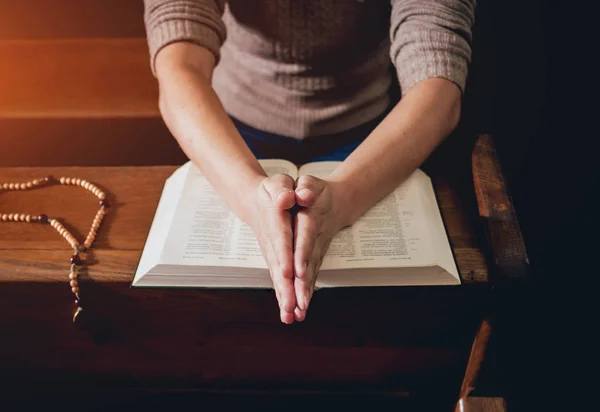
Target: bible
point(196, 241)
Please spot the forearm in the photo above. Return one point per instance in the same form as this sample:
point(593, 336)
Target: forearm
point(194, 115)
point(398, 146)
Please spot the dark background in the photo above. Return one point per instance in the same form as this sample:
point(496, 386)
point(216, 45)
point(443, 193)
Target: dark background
point(532, 85)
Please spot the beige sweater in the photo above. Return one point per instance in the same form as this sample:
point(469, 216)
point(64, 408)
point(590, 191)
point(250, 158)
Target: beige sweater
point(311, 67)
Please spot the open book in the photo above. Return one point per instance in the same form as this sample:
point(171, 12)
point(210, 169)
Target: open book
point(196, 241)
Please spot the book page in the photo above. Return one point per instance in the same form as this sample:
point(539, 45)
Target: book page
point(393, 233)
point(205, 230)
point(318, 169)
point(163, 217)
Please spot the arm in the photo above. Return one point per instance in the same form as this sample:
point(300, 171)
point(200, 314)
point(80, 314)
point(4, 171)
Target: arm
point(399, 145)
point(431, 51)
point(184, 40)
point(194, 115)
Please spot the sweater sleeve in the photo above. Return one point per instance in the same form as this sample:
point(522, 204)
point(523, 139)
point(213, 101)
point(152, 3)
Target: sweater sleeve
point(431, 38)
point(196, 21)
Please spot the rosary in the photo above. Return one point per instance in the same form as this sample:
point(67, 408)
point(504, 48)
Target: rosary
point(75, 261)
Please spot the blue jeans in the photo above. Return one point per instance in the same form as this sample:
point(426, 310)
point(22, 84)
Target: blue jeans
point(333, 147)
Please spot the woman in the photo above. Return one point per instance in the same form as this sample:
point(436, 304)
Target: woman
point(305, 80)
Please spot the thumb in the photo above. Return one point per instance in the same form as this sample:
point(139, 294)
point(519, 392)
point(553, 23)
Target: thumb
point(308, 189)
point(281, 189)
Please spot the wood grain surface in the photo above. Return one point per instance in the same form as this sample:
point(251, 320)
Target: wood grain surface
point(483, 404)
point(397, 340)
point(89, 78)
point(59, 19)
point(74, 142)
point(506, 245)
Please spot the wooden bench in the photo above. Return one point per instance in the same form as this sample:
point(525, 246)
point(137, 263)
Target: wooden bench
point(74, 102)
point(387, 343)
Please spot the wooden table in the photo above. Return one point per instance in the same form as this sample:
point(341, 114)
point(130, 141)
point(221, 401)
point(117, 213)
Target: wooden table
point(384, 341)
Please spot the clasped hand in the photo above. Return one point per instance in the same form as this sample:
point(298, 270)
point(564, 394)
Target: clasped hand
point(294, 244)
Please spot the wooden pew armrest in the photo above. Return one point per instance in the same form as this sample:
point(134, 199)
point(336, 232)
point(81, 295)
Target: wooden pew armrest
point(507, 253)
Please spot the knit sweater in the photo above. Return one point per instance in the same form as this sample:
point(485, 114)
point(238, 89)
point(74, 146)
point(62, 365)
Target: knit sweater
point(313, 67)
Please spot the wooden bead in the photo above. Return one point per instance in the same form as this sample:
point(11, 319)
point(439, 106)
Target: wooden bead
point(74, 283)
point(11, 186)
point(4, 217)
point(77, 181)
point(23, 186)
point(22, 217)
point(5, 186)
point(28, 218)
point(101, 195)
point(10, 217)
point(73, 275)
point(62, 180)
point(75, 290)
point(76, 260)
point(36, 182)
point(29, 185)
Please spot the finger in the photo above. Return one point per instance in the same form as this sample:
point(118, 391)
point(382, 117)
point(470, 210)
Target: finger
point(304, 287)
point(287, 317)
point(281, 238)
point(299, 315)
point(280, 189)
point(308, 189)
point(305, 237)
point(272, 264)
point(302, 290)
point(284, 290)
